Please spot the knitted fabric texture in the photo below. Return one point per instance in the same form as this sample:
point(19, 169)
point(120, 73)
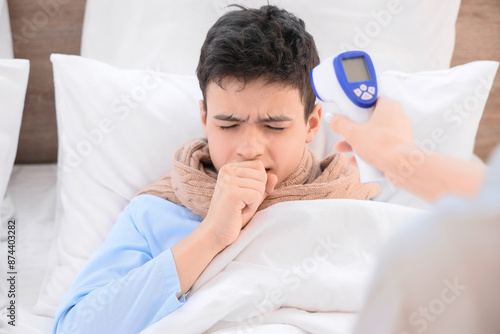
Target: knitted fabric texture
point(192, 181)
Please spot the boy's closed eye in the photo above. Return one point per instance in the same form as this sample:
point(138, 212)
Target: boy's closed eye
point(279, 122)
point(234, 126)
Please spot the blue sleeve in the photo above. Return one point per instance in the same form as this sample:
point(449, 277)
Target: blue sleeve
point(122, 288)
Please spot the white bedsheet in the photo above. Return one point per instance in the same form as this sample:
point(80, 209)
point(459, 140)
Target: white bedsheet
point(32, 189)
point(297, 267)
point(257, 261)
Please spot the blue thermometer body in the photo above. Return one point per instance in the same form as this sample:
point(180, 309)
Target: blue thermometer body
point(349, 80)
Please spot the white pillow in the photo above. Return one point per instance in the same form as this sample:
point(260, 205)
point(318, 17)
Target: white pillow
point(13, 83)
point(451, 101)
point(5, 203)
point(400, 35)
point(404, 35)
point(109, 151)
point(7, 53)
point(118, 130)
point(5, 34)
point(445, 107)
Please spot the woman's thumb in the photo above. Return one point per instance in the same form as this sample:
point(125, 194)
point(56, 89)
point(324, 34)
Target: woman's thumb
point(341, 125)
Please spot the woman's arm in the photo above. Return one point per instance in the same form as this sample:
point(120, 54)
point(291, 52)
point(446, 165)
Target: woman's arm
point(386, 142)
point(436, 175)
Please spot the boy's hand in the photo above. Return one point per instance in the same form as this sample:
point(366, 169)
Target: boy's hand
point(241, 187)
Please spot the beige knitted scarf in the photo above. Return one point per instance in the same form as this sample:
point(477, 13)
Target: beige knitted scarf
point(191, 182)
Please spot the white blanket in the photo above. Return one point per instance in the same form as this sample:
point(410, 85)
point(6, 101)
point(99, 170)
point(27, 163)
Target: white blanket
point(297, 267)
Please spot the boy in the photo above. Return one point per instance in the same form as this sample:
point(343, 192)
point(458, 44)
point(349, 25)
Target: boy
point(258, 114)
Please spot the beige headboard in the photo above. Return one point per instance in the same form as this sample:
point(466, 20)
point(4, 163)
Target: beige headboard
point(38, 32)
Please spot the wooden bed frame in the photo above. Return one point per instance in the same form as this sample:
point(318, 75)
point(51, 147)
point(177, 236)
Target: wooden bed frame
point(477, 38)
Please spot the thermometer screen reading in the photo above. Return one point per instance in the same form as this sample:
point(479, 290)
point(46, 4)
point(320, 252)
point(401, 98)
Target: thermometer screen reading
point(355, 69)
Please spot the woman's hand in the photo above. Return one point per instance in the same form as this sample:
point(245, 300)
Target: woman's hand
point(379, 140)
point(386, 142)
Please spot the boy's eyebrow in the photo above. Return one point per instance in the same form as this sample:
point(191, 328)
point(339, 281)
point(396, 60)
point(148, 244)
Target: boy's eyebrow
point(269, 119)
point(279, 118)
point(228, 118)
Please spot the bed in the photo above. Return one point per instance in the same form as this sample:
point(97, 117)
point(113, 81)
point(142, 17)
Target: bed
point(56, 232)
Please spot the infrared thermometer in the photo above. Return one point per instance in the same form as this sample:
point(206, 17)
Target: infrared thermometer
point(349, 80)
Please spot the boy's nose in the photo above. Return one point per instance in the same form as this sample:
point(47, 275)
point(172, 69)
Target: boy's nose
point(251, 145)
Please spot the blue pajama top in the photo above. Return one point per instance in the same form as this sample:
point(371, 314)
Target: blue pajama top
point(131, 281)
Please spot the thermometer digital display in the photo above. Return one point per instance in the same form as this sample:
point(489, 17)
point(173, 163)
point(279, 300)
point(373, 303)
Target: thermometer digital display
point(355, 69)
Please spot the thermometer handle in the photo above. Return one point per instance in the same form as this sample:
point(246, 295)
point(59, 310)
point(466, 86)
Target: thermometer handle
point(367, 173)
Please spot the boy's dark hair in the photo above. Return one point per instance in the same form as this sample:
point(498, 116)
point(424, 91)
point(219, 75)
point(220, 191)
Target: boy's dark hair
point(267, 43)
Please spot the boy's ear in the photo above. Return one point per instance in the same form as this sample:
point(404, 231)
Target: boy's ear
point(203, 116)
point(314, 122)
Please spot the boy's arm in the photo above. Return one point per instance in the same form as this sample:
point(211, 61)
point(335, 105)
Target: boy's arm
point(193, 254)
point(241, 187)
point(122, 289)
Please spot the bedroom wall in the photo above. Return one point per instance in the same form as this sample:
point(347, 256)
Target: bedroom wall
point(39, 30)
point(477, 38)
